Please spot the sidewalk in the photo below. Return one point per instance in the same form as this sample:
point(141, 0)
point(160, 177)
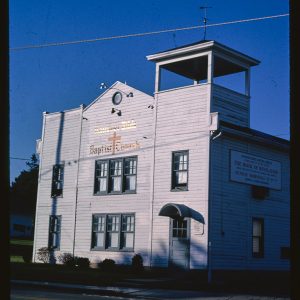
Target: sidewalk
point(141, 292)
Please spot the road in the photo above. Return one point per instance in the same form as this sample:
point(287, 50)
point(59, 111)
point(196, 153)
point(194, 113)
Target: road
point(42, 294)
point(22, 293)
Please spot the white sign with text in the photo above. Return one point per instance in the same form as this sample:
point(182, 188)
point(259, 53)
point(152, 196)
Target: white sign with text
point(255, 170)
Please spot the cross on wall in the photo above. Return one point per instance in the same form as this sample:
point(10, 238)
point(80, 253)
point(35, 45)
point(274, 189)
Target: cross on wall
point(114, 139)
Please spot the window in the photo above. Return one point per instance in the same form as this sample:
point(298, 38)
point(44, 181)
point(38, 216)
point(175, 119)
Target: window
point(98, 231)
point(130, 174)
point(257, 237)
point(113, 232)
point(127, 232)
point(180, 170)
point(57, 180)
point(179, 228)
point(115, 176)
point(101, 176)
point(54, 232)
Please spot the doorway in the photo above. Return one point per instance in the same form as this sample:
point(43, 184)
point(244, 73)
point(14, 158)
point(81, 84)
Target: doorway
point(179, 256)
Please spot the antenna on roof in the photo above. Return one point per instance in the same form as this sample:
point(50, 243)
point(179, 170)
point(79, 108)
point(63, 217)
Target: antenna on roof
point(205, 19)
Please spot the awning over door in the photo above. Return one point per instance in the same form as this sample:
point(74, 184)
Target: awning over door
point(174, 210)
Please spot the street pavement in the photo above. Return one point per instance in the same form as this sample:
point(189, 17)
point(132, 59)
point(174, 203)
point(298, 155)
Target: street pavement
point(31, 290)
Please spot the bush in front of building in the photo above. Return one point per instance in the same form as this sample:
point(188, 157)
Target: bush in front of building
point(108, 264)
point(137, 263)
point(43, 255)
point(82, 262)
point(66, 259)
point(69, 260)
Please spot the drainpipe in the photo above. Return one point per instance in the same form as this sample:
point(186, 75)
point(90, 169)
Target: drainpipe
point(215, 134)
point(77, 178)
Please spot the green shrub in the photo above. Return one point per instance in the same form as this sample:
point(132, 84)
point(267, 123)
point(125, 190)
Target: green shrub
point(43, 255)
point(82, 262)
point(66, 259)
point(73, 261)
point(108, 264)
point(137, 263)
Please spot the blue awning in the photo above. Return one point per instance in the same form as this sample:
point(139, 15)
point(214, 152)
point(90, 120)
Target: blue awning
point(174, 210)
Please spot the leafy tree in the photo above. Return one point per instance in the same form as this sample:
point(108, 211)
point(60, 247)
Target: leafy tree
point(23, 190)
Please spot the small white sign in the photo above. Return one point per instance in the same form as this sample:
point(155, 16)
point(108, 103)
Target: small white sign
point(255, 170)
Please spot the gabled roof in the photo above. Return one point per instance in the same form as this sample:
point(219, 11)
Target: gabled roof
point(112, 87)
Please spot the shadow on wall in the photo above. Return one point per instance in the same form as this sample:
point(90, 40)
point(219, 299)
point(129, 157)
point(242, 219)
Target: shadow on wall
point(52, 258)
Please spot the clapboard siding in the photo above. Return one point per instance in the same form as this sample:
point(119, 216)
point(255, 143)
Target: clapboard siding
point(233, 107)
point(60, 145)
point(233, 209)
point(182, 124)
point(98, 115)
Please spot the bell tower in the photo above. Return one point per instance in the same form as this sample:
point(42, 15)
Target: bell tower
point(203, 62)
point(185, 118)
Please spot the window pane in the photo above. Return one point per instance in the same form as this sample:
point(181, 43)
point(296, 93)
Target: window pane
point(130, 166)
point(99, 239)
point(102, 184)
point(127, 240)
point(55, 240)
point(182, 177)
point(116, 184)
point(112, 239)
point(103, 170)
point(256, 245)
point(130, 183)
point(256, 228)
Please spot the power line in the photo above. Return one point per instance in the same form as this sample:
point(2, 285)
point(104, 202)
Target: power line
point(145, 33)
point(18, 158)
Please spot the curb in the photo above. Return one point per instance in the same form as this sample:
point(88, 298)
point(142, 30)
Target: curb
point(78, 288)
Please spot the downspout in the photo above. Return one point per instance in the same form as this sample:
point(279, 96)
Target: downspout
point(157, 87)
point(39, 182)
point(77, 178)
point(209, 264)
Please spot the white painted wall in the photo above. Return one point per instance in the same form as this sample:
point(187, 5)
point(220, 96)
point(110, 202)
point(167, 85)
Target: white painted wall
point(59, 145)
point(233, 208)
point(182, 124)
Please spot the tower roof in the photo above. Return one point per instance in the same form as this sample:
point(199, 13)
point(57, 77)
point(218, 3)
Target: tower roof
point(191, 60)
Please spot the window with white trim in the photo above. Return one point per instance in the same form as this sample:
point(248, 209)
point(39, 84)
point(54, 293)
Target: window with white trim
point(113, 232)
point(180, 170)
point(115, 176)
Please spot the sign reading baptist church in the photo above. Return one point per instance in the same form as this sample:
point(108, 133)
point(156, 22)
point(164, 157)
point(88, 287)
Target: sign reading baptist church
point(115, 146)
point(255, 170)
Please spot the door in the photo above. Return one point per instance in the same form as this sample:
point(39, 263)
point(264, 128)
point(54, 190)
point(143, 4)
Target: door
point(179, 256)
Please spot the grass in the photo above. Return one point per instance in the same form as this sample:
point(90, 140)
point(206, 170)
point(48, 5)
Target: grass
point(16, 259)
point(22, 242)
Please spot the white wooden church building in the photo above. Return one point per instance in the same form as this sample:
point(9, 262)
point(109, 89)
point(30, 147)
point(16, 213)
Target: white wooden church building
point(178, 177)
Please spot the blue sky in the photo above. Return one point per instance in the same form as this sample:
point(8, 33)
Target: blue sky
point(59, 78)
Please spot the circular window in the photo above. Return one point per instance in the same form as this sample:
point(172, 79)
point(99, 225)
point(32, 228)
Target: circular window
point(117, 98)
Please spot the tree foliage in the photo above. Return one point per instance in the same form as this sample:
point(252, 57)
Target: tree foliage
point(23, 190)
